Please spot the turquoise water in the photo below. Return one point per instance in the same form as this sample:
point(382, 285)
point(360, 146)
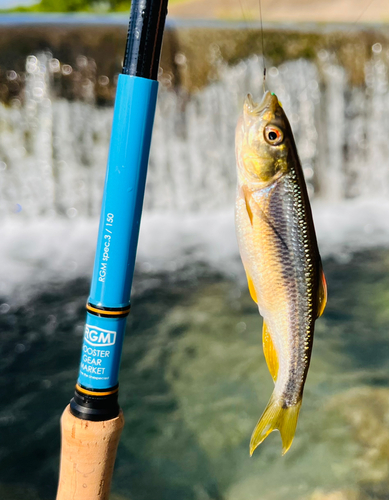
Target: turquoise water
point(193, 384)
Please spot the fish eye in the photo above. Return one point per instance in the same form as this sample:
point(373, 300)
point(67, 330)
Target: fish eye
point(273, 135)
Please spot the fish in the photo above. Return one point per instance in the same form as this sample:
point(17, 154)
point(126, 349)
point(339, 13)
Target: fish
point(280, 255)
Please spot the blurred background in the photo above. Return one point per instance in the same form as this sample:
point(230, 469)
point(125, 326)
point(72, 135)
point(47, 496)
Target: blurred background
point(193, 380)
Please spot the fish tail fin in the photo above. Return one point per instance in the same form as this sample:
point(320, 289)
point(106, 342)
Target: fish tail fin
point(276, 416)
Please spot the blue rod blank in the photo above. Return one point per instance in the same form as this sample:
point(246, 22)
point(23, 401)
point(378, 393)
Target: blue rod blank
point(119, 229)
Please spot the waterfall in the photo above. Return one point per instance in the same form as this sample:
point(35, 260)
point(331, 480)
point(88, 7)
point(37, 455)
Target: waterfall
point(53, 151)
point(53, 154)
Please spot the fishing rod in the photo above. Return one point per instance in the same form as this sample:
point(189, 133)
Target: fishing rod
point(93, 421)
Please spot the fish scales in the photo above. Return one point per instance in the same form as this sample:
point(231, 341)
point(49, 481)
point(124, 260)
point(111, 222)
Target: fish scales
point(279, 251)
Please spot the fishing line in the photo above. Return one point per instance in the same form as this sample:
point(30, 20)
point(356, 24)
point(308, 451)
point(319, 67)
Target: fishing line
point(262, 34)
point(358, 18)
point(262, 38)
point(243, 14)
point(263, 47)
point(361, 14)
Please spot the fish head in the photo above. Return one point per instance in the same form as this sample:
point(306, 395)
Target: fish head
point(262, 141)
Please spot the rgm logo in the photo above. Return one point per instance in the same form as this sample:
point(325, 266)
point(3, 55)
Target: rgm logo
point(98, 337)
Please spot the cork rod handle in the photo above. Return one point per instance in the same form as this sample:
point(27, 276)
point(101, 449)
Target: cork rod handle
point(88, 455)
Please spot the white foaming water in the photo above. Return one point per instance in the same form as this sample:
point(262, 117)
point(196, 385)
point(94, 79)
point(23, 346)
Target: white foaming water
point(58, 250)
point(53, 155)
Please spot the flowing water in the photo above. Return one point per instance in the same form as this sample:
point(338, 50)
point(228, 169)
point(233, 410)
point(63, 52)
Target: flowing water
point(193, 378)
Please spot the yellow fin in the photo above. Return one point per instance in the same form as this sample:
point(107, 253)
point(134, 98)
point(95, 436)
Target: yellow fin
point(322, 295)
point(252, 291)
point(269, 352)
point(246, 196)
point(276, 417)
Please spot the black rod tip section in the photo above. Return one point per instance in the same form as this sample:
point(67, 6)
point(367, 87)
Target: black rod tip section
point(94, 407)
point(144, 39)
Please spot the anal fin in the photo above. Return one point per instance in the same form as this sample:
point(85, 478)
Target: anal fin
point(269, 352)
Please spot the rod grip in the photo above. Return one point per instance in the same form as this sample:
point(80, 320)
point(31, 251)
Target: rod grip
point(88, 453)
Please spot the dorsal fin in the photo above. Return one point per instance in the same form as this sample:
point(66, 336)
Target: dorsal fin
point(269, 352)
point(322, 294)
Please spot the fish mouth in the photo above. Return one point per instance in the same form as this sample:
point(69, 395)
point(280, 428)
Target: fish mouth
point(268, 100)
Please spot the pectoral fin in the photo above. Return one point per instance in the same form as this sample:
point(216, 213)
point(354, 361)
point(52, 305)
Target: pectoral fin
point(270, 352)
point(322, 299)
point(252, 291)
point(246, 196)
